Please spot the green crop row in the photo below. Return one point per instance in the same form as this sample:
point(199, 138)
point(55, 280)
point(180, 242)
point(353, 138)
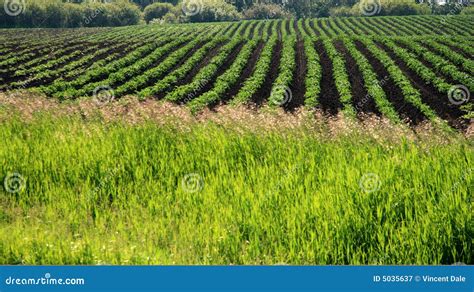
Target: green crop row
point(172, 78)
point(281, 91)
point(441, 65)
point(314, 74)
point(410, 94)
point(204, 76)
point(341, 77)
point(226, 80)
point(156, 72)
point(256, 80)
point(372, 82)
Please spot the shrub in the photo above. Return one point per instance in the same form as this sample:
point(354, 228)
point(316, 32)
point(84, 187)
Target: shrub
point(468, 10)
point(266, 11)
point(156, 11)
point(209, 10)
point(341, 11)
point(123, 13)
point(73, 15)
point(40, 14)
point(448, 8)
point(388, 7)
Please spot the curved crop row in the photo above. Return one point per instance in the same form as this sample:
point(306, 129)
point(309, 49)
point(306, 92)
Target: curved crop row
point(448, 53)
point(100, 72)
point(341, 78)
point(204, 76)
point(172, 78)
point(156, 72)
point(410, 94)
point(439, 63)
point(128, 72)
point(279, 93)
point(255, 82)
point(226, 80)
point(372, 82)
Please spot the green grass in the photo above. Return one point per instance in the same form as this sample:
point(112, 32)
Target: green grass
point(112, 193)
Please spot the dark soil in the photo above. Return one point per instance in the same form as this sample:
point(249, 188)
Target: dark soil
point(320, 25)
point(298, 87)
point(329, 97)
point(394, 94)
point(311, 24)
point(279, 29)
point(228, 62)
point(264, 92)
point(260, 30)
point(246, 73)
point(270, 28)
point(437, 101)
point(356, 24)
point(361, 100)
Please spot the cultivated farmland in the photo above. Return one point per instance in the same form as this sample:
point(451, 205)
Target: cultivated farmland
point(317, 141)
point(411, 69)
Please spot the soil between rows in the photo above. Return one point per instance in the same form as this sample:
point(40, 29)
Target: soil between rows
point(405, 110)
point(437, 101)
point(361, 100)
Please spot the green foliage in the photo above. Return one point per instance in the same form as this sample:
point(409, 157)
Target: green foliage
point(469, 10)
point(381, 8)
point(114, 194)
point(341, 77)
point(254, 82)
point(341, 11)
point(225, 81)
point(87, 14)
point(266, 11)
point(281, 92)
point(209, 11)
point(156, 11)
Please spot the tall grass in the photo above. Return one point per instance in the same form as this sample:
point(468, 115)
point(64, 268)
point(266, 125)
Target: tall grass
point(116, 193)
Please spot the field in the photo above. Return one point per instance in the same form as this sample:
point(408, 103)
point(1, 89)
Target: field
point(325, 141)
point(409, 69)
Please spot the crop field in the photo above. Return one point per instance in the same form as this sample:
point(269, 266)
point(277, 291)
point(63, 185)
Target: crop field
point(315, 141)
point(411, 69)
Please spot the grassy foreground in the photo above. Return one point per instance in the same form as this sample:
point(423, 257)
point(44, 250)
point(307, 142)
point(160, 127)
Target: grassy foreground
point(120, 193)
